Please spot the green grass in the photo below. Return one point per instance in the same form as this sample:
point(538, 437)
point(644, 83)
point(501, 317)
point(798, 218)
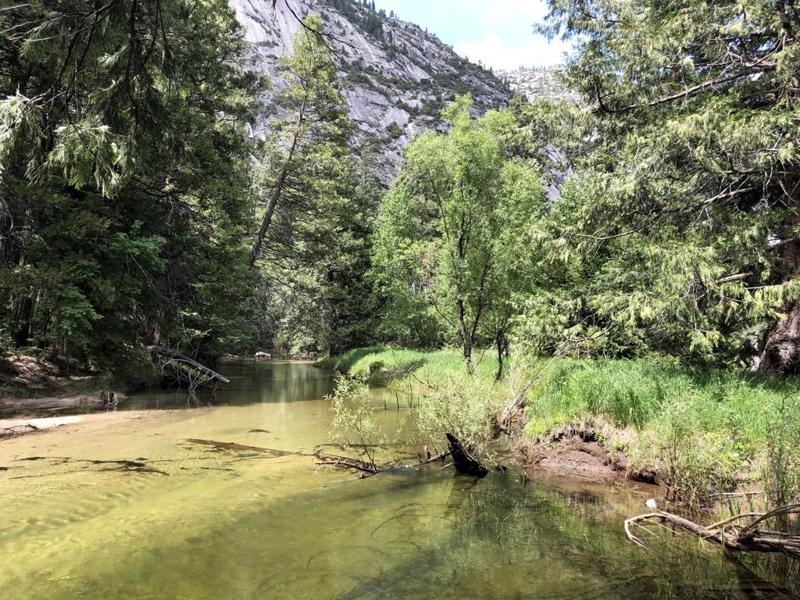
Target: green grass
point(703, 429)
point(641, 394)
point(384, 363)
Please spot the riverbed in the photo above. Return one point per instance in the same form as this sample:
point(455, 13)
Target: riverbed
point(220, 498)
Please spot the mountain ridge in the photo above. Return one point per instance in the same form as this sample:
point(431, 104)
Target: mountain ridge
point(395, 76)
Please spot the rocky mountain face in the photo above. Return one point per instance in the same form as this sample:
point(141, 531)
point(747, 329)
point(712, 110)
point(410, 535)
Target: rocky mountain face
point(395, 76)
point(537, 83)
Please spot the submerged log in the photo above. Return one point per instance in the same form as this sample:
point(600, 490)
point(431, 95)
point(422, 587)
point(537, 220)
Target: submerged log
point(27, 405)
point(463, 460)
point(234, 447)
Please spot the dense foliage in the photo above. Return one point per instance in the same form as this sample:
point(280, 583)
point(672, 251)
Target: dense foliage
point(656, 216)
point(313, 243)
point(671, 225)
point(681, 202)
point(123, 200)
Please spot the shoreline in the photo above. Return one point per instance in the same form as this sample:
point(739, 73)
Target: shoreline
point(12, 428)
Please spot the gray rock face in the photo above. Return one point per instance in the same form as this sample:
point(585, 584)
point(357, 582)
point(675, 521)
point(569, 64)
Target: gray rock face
point(395, 76)
point(538, 83)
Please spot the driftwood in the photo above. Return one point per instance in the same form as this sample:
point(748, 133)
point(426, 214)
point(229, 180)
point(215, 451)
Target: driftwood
point(463, 461)
point(13, 405)
point(730, 533)
point(234, 447)
point(366, 468)
point(185, 369)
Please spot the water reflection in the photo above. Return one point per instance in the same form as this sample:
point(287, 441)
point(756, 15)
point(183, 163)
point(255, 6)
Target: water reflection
point(252, 382)
point(239, 510)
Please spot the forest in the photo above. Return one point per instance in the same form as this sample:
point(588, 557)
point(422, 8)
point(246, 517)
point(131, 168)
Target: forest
point(622, 268)
point(655, 217)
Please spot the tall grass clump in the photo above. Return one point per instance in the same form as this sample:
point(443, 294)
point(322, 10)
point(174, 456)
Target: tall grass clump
point(703, 429)
point(626, 393)
point(781, 464)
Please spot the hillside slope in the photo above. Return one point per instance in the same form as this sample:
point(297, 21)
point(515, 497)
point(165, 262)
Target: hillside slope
point(396, 77)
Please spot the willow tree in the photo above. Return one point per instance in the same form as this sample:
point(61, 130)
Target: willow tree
point(689, 202)
point(450, 229)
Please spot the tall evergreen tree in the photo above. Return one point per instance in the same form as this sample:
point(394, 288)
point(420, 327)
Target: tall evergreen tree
point(124, 176)
point(314, 235)
point(688, 203)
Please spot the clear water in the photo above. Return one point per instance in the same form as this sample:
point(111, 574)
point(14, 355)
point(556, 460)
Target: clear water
point(186, 519)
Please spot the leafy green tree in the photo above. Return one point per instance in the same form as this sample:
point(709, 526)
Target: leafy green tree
point(684, 204)
point(449, 227)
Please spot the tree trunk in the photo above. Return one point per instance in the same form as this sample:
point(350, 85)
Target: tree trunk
point(781, 354)
point(466, 338)
point(275, 196)
point(500, 342)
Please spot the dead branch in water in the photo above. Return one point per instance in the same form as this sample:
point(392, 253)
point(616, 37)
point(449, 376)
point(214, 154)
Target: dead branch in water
point(367, 469)
point(730, 533)
point(184, 369)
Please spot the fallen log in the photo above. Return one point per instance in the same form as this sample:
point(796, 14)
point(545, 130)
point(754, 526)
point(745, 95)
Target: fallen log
point(730, 534)
point(196, 373)
point(27, 405)
point(464, 462)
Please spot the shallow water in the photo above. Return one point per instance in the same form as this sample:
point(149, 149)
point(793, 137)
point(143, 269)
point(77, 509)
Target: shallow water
point(183, 518)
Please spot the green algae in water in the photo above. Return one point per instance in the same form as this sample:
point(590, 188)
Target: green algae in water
point(233, 521)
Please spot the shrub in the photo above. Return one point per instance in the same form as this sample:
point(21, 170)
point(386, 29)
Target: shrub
point(354, 424)
point(462, 405)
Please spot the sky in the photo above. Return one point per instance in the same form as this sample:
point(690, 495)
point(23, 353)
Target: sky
point(498, 33)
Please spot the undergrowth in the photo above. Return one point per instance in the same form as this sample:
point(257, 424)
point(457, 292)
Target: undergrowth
point(705, 431)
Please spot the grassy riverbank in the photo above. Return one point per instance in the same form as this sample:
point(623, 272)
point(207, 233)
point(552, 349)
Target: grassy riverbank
point(383, 364)
point(703, 432)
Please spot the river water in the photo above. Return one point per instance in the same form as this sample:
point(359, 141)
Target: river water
point(142, 504)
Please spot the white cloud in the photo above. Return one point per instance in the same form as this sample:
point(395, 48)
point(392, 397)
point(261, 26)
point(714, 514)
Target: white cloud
point(494, 52)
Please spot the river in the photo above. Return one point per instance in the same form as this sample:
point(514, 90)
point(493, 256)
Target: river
point(138, 504)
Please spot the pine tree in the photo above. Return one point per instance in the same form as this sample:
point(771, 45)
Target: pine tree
point(124, 176)
point(315, 232)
